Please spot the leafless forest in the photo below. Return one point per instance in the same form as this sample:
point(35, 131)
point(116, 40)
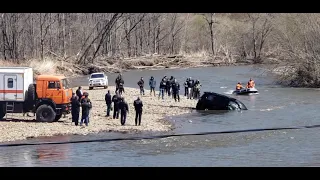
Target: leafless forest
point(91, 38)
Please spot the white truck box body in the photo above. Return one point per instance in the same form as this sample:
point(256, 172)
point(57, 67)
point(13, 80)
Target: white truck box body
point(14, 82)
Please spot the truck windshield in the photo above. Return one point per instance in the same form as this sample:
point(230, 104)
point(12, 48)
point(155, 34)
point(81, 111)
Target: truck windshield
point(97, 76)
point(65, 83)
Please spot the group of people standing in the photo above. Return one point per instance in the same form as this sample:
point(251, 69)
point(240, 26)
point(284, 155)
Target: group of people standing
point(80, 100)
point(169, 86)
point(192, 88)
point(120, 106)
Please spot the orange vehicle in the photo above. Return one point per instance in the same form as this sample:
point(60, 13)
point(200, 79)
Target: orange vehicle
point(49, 97)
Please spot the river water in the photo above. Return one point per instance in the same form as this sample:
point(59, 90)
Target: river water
point(274, 106)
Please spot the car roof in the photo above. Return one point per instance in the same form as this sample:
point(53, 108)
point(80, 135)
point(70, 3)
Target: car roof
point(213, 93)
point(98, 73)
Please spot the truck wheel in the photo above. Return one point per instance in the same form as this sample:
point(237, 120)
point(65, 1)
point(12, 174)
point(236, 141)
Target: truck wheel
point(105, 87)
point(90, 88)
point(30, 96)
point(2, 113)
point(45, 113)
point(57, 117)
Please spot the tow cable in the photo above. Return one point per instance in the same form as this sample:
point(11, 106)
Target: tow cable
point(160, 136)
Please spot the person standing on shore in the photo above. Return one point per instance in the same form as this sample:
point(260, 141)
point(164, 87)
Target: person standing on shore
point(75, 108)
point(190, 88)
point(196, 89)
point(141, 86)
point(121, 86)
point(116, 100)
point(169, 85)
point(138, 107)
point(124, 109)
point(108, 100)
point(162, 88)
point(186, 88)
point(86, 107)
point(165, 79)
point(117, 81)
point(152, 84)
point(176, 90)
point(79, 93)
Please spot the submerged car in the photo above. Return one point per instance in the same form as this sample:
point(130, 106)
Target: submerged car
point(215, 101)
point(98, 80)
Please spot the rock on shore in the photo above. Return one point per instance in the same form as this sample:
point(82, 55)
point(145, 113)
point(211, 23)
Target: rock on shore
point(155, 112)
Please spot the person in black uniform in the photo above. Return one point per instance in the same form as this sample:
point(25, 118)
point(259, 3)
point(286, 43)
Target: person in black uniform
point(124, 109)
point(190, 87)
point(186, 88)
point(162, 88)
point(116, 100)
point(108, 100)
point(86, 107)
point(79, 93)
point(176, 90)
point(164, 80)
point(117, 81)
point(121, 86)
point(75, 108)
point(141, 86)
point(138, 107)
point(169, 85)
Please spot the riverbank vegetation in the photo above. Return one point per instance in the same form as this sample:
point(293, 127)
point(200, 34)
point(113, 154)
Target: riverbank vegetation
point(81, 43)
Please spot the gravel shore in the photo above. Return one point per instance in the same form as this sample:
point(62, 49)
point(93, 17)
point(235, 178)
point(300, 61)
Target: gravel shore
point(154, 116)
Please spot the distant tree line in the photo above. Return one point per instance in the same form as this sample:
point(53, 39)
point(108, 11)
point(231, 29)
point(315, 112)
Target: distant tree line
point(286, 38)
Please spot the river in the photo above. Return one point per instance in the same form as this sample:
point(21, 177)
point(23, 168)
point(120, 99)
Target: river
point(274, 106)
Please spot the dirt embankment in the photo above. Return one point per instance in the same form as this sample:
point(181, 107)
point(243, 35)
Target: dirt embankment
point(154, 116)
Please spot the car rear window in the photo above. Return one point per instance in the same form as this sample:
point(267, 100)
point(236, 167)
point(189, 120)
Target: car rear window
point(97, 76)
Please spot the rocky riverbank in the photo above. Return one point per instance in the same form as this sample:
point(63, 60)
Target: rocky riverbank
point(154, 116)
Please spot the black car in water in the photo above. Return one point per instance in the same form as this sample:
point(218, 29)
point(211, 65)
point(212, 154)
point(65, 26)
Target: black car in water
point(215, 101)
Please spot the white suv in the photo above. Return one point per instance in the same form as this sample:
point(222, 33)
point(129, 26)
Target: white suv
point(98, 80)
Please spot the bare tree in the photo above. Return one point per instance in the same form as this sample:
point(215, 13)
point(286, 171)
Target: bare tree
point(259, 33)
point(209, 17)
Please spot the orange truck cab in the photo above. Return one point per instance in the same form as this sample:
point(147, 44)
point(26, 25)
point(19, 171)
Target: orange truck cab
point(52, 96)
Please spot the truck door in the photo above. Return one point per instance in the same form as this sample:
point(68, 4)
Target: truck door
point(54, 92)
point(10, 87)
